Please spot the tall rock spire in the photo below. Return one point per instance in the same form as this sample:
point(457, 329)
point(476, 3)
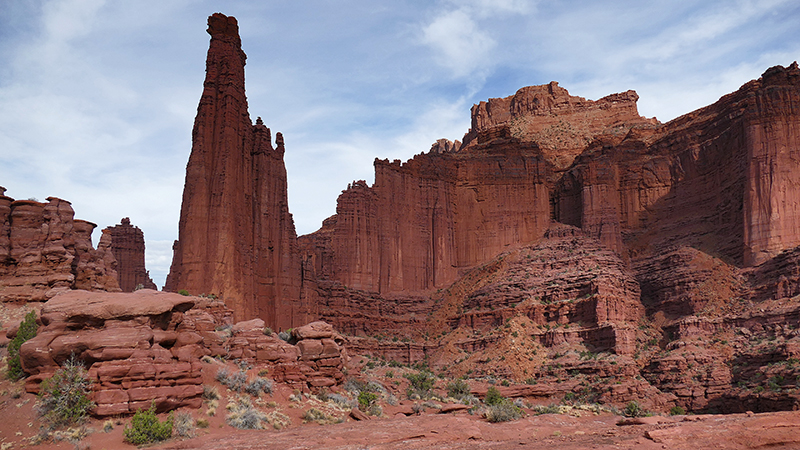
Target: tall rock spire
point(236, 238)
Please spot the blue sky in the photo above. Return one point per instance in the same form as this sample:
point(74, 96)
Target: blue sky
point(98, 97)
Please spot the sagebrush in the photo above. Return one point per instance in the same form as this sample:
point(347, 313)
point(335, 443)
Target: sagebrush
point(64, 397)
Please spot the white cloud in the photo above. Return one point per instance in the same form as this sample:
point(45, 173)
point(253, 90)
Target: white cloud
point(459, 44)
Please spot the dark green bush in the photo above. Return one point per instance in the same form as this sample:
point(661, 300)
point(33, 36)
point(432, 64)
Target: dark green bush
point(27, 330)
point(677, 411)
point(183, 292)
point(493, 397)
point(146, 428)
point(64, 397)
point(366, 399)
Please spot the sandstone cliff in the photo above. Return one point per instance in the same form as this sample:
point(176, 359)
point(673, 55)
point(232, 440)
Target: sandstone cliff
point(127, 245)
point(236, 238)
point(44, 250)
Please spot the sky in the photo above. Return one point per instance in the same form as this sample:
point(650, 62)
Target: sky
point(98, 97)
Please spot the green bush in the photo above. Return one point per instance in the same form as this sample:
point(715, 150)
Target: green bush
point(64, 397)
point(183, 292)
point(27, 330)
point(493, 397)
point(677, 411)
point(421, 383)
point(146, 428)
point(458, 389)
point(503, 412)
point(366, 399)
point(633, 409)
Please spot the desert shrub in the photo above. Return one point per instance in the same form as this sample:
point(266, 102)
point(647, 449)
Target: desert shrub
point(355, 386)
point(27, 331)
point(210, 392)
point(549, 409)
point(633, 409)
point(340, 400)
point(503, 412)
point(366, 399)
point(421, 383)
point(108, 426)
point(242, 415)
point(677, 411)
point(458, 389)
point(493, 397)
point(64, 397)
point(146, 428)
point(258, 385)
point(183, 292)
point(285, 336)
point(268, 331)
point(315, 415)
point(234, 381)
point(202, 423)
point(183, 426)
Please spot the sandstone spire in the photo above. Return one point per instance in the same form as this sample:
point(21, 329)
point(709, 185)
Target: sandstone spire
point(236, 238)
point(127, 245)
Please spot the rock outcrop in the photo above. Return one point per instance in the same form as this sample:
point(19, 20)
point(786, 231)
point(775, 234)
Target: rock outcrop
point(146, 347)
point(236, 238)
point(127, 245)
point(44, 251)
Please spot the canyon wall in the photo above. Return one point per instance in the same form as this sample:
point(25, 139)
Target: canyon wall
point(44, 250)
point(127, 245)
point(236, 238)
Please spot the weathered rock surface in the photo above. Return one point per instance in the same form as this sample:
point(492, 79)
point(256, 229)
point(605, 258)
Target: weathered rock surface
point(127, 245)
point(146, 346)
point(44, 251)
point(236, 238)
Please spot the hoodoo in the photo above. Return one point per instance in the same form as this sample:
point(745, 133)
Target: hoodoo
point(236, 238)
point(127, 245)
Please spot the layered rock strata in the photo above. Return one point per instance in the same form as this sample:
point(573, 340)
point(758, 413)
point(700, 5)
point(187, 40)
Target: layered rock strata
point(127, 245)
point(44, 251)
point(236, 238)
point(146, 347)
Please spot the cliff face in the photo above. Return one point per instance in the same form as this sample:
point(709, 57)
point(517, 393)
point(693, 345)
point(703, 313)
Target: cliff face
point(127, 245)
point(236, 238)
point(44, 250)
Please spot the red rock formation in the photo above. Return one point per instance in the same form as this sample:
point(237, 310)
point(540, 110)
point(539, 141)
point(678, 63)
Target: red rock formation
point(43, 251)
point(146, 346)
point(236, 236)
point(127, 245)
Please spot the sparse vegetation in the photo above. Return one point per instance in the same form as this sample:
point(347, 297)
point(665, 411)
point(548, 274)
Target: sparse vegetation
point(242, 415)
point(503, 412)
point(458, 389)
point(63, 398)
point(677, 411)
point(184, 426)
point(183, 292)
point(146, 428)
point(234, 381)
point(258, 385)
point(421, 384)
point(633, 409)
point(27, 331)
